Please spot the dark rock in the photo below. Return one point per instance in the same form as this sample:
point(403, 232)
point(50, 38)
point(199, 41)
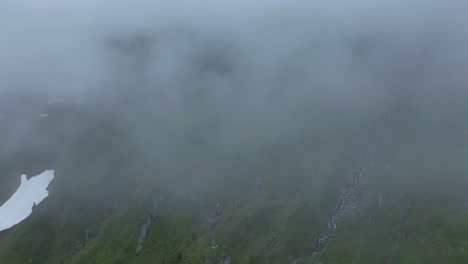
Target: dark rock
point(153, 215)
point(224, 259)
point(210, 223)
point(352, 196)
point(143, 234)
point(91, 233)
point(78, 243)
point(155, 212)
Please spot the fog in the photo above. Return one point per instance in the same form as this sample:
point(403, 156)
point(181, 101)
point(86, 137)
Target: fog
point(328, 106)
point(230, 76)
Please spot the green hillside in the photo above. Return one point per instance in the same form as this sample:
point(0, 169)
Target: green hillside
point(410, 207)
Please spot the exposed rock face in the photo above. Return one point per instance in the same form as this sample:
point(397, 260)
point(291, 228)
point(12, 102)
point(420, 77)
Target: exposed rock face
point(78, 243)
point(91, 233)
point(224, 259)
point(210, 223)
point(381, 200)
point(353, 196)
point(153, 215)
point(143, 234)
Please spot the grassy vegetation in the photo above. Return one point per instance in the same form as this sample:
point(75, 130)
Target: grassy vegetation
point(419, 168)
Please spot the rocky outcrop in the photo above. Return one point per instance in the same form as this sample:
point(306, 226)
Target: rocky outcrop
point(352, 196)
point(153, 215)
point(78, 243)
point(145, 228)
point(224, 259)
point(210, 223)
point(91, 233)
point(381, 200)
point(154, 212)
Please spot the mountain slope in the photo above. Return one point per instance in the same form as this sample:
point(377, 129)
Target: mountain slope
point(409, 206)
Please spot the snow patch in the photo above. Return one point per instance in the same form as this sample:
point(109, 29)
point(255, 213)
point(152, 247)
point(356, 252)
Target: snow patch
point(19, 206)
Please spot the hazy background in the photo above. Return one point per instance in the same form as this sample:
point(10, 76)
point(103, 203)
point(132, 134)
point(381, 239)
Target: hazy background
point(204, 77)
